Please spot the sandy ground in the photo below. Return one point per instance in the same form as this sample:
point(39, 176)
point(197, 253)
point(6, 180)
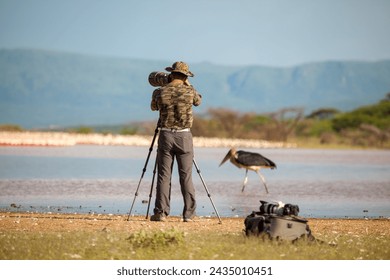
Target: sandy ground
point(42, 222)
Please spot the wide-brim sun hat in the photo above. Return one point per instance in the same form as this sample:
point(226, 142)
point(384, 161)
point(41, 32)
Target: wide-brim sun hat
point(180, 67)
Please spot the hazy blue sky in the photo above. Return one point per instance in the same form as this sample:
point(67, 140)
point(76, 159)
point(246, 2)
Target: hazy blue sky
point(244, 32)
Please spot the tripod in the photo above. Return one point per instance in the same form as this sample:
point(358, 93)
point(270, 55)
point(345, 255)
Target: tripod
point(144, 170)
point(154, 175)
point(207, 190)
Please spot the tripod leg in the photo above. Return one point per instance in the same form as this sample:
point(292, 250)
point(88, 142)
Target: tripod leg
point(207, 190)
point(143, 170)
point(151, 187)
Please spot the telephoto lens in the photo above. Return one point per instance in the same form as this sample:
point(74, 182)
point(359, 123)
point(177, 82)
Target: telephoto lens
point(158, 79)
point(268, 208)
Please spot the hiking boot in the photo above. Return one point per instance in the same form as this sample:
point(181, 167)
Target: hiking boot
point(158, 218)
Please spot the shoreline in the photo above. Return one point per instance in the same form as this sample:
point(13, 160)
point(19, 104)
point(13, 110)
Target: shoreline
point(54, 222)
point(60, 139)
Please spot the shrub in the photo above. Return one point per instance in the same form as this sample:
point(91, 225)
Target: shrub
point(156, 239)
point(10, 127)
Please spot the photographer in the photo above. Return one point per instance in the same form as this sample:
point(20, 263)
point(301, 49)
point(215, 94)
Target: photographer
point(174, 102)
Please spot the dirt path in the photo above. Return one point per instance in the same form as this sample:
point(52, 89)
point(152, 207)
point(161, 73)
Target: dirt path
point(42, 222)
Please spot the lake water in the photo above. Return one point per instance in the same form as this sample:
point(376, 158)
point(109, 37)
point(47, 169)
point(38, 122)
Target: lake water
point(104, 179)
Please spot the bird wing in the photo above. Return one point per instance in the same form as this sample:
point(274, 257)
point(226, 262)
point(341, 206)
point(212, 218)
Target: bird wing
point(253, 159)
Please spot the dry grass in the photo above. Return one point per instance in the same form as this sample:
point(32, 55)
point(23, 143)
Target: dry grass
point(65, 236)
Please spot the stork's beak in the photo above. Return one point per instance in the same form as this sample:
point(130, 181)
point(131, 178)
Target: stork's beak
point(228, 155)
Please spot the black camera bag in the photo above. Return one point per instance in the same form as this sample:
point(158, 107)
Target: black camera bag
point(279, 227)
point(256, 224)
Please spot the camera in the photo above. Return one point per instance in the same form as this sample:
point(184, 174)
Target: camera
point(268, 208)
point(278, 221)
point(290, 209)
point(277, 209)
point(159, 79)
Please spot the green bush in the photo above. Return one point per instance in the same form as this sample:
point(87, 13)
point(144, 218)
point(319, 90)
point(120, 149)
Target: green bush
point(156, 239)
point(314, 128)
point(82, 130)
point(128, 131)
point(377, 115)
point(10, 127)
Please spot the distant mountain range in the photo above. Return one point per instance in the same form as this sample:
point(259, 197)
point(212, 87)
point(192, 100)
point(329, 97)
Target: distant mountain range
point(39, 89)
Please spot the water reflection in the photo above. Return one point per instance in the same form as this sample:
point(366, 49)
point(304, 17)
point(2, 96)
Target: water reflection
point(82, 179)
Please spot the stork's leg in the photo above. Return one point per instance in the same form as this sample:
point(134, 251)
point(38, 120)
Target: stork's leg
point(262, 179)
point(245, 180)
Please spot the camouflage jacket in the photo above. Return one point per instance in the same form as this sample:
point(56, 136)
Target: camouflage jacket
point(175, 105)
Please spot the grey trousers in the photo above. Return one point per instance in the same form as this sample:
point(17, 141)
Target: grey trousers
point(171, 145)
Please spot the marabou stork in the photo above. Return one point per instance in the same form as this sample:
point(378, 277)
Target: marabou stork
point(249, 161)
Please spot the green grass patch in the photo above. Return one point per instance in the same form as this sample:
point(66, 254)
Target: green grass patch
point(175, 244)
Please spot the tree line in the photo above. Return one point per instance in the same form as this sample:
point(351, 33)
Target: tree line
point(367, 126)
